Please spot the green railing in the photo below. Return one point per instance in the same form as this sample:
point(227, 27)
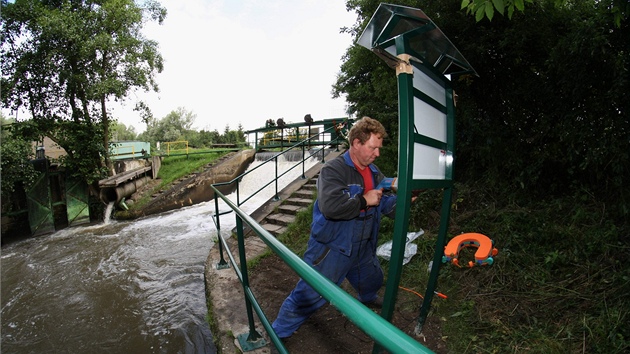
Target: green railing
point(274, 137)
point(385, 334)
point(303, 145)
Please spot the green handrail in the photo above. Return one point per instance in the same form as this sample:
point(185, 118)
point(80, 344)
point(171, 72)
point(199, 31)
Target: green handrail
point(384, 333)
point(274, 158)
point(302, 144)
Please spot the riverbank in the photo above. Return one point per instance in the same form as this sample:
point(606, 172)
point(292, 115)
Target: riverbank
point(189, 188)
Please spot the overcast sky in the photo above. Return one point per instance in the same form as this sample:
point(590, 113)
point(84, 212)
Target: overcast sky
point(246, 61)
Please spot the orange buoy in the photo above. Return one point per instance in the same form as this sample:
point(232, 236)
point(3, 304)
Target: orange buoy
point(483, 255)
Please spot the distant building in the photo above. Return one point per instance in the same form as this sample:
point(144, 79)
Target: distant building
point(48, 148)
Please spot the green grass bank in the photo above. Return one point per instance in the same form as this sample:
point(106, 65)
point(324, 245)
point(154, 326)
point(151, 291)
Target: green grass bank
point(559, 283)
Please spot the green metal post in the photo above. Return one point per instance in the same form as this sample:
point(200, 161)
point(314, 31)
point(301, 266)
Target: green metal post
point(401, 223)
point(222, 263)
point(437, 259)
point(281, 139)
point(275, 197)
point(445, 213)
point(303, 162)
point(309, 137)
point(254, 339)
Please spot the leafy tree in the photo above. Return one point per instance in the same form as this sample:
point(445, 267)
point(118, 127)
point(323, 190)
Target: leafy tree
point(121, 132)
point(63, 61)
point(15, 156)
point(233, 136)
point(176, 125)
point(220, 139)
point(617, 9)
point(208, 137)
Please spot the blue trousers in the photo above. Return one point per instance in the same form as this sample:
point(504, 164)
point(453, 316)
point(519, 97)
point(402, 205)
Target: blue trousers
point(361, 268)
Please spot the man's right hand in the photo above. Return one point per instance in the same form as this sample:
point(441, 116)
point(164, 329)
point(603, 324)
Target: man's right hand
point(373, 197)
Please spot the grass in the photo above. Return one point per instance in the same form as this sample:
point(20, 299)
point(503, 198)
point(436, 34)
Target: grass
point(175, 167)
point(559, 284)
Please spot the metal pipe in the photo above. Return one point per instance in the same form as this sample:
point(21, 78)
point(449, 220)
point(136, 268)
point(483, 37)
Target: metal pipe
point(125, 190)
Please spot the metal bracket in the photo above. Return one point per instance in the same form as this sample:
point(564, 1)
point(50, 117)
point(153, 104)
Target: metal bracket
point(404, 65)
point(247, 343)
point(223, 265)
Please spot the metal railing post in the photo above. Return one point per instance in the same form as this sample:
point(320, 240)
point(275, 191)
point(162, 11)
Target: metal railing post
point(254, 339)
point(222, 263)
point(276, 179)
point(303, 162)
point(238, 194)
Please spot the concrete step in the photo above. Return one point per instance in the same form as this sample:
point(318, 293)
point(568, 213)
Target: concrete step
point(304, 193)
point(290, 209)
point(304, 202)
point(274, 229)
point(280, 219)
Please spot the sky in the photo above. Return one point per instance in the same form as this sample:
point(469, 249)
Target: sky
point(245, 61)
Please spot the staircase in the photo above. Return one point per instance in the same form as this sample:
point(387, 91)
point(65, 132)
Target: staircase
point(276, 215)
point(284, 214)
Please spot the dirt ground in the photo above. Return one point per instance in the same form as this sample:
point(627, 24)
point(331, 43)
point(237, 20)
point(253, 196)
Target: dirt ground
point(328, 331)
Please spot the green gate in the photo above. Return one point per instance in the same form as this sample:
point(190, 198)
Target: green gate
point(77, 205)
point(38, 200)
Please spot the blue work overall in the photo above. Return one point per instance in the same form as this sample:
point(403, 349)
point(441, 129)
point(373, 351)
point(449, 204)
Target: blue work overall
point(359, 265)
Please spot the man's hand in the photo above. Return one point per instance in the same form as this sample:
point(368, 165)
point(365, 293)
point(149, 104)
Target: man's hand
point(373, 197)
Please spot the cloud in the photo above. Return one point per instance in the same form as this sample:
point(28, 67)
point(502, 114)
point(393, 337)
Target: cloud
point(243, 62)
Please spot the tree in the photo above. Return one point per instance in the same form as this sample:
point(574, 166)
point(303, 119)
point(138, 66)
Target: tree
point(174, 126)
point(15, 156)
point(121, 132)
point(63, 61)
point(547, 114)
point(234, 136)
point(618, 9)
point(179, 122)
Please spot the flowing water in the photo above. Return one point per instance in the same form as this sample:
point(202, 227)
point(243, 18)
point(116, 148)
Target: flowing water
point(119, 287)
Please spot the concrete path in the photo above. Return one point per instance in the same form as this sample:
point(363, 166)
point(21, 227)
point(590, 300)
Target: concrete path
point(224, 291)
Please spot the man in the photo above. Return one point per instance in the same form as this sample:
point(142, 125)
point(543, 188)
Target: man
point(344, 232)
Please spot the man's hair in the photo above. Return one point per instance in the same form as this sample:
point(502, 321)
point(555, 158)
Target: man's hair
point(364, 128)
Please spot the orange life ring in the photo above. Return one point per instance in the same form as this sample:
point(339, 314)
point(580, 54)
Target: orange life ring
point(483, 255)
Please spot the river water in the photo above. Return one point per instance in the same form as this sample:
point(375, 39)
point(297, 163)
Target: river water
point(120, 287)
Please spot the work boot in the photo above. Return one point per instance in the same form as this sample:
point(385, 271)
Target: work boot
point(375, 304)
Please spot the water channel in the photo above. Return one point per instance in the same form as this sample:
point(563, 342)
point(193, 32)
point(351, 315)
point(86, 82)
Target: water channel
point(120, 287)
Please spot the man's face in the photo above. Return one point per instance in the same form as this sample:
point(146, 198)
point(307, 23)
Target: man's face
point(366, 153)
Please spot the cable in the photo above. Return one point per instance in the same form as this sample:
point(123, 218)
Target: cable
point(411, 291)
point(440, 295)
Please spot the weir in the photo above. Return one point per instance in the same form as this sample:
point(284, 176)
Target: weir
point(291, 155)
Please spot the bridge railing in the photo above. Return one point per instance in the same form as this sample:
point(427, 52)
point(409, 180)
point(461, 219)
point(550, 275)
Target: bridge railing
point(384, 333)
point(322, 133)
point(302, 145)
